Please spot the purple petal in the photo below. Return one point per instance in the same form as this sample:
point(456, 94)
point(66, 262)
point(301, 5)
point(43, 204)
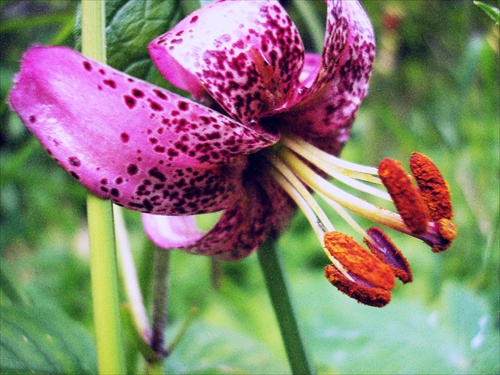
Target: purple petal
point(240, 230)
point(246, 54)
point(143, 147)
point(326, 109)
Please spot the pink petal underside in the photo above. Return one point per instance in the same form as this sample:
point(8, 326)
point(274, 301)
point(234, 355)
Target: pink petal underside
point(143, 147)
point(240, 230)
point(171, 232)
point(246, 54)
point(327, 107)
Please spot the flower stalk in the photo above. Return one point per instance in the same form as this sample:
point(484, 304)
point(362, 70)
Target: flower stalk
point(277, 285)
point(103, 263)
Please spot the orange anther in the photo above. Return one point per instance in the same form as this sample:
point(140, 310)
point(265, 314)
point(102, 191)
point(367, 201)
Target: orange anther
point(447, 233)
point(359, 262)
point(433, 186)
point(377, 297)
point(384, 249)
point(408, 201)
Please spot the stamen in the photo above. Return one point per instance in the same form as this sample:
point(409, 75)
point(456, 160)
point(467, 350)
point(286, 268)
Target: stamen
point(384, 249)
point(407, 199)
point(320, 158)
point(301, 189)
point(345, 215)
point(359, 263)
point(369, 296)
point(440, 235)
point(349, 201)
point(301, 202)
point(433, 187)
point(371, 280)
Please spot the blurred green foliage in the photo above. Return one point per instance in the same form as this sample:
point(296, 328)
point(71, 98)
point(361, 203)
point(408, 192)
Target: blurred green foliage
point(434, 89)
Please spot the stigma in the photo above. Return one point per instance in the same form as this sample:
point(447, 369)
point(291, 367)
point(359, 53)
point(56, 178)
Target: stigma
point(420, 206)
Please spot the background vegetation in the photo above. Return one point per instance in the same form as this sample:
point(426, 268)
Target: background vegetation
point(434, 89)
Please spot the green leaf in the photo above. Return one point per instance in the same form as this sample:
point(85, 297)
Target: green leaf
point(130, 26)
point(490, 10)
point(214, 349)
point(9, 289)
point(43, 340)
point(454, 335)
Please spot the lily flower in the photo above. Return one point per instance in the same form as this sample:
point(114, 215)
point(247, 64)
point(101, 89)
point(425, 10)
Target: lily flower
point(262, 131)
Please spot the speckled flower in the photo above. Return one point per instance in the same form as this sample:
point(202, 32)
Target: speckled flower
point(262, 130)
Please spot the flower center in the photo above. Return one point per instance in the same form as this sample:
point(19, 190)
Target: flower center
point(423, 211)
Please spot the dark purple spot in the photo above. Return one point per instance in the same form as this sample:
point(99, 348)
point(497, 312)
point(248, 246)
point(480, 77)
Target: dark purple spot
point(159, 148)
point(183, 106)
point(74, 161)
point(115, 192)
point(172, 152)
point(153, 140)
point(118, 180)
point(110, 83)
point(155, 172)
point(156, 107)
point(105, 189)
point(194, 19)
point(32, 119)
point(104, 181)
point(132, 169)
point(138, 93)
point(87, 66)
point(125, 137)
point(129, 101)
point(160, 94)
point(102, 71)
point(147, 204)
point(75, 175)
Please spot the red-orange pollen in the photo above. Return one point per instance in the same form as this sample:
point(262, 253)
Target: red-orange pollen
point(426, 210)
point(433, 187)
point(370, 280)
point(406, 198)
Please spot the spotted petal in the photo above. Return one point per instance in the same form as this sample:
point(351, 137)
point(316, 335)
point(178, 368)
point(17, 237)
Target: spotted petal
point(326, 109)
point(143, 147)
point(240, 230)
point(246, 54)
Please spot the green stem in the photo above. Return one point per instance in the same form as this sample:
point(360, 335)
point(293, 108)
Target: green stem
point(161, 263)
point(103, 265)
point(160, 297)
point(277, 285)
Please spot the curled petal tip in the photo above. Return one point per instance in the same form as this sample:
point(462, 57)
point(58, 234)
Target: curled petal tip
point(384, 249)
point(433, 187)
point(409, 203)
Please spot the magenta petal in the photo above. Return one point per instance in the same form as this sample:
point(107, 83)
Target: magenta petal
point(143, 147)
point(246, 54)
point(326, 109)
point(171, 232)
point(240, 229)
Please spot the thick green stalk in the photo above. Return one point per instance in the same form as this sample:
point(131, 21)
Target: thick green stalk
point(103, 266)
point(277, 285)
